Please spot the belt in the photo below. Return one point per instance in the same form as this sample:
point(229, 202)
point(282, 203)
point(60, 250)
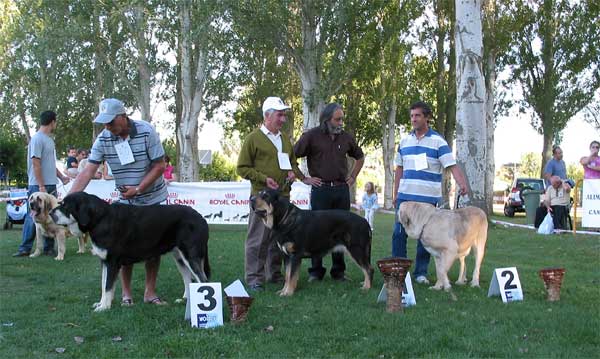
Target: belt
point(333, 183)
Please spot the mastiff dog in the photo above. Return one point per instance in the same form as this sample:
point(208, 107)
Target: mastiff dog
point(300, 234)
point(40, 205)
point(447, 235)
point(124, 234)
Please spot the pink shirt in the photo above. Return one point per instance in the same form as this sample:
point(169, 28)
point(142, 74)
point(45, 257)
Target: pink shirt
point(168, 172)
point(589, 173)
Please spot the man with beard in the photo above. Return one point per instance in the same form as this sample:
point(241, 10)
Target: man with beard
point(326, 148)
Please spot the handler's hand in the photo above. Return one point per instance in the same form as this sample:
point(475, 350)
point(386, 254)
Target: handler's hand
point(271, 183)
point(312, 181)
point(463, 190)
point(350, 181)
point(291, 177)
point(129, 193)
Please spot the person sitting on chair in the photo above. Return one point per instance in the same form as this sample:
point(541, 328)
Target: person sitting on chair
point(556, 202)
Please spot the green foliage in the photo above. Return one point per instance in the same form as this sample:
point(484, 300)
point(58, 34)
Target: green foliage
point(50, 303)
point(219, 170)
point(531, 165)
point(170, 149)
point(13, 156)
point(575, 172)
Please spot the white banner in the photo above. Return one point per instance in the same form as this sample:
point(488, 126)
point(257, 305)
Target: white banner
point(217, 202)
point(591, 203)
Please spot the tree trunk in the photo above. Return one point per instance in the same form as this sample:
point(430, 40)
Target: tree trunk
point(490, 86)
point(141, 45)
point(471, 133)
point(192, 86)
point(389, 150)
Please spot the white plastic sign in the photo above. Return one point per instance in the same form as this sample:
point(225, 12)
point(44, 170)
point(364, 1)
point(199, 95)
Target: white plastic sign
point(408, 295)
point(206, 305)
point(506, 284)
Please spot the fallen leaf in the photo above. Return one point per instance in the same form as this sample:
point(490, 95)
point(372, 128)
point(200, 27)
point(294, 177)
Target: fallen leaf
point(71, 325)
point(117, 339)
point(269, 329)
point(52, 309)
point(10, 324)
point(78, 340)
point(60, 350)
point(523, 350)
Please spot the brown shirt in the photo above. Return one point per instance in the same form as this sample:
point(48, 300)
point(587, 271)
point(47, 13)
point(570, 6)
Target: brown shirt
point(327, 157)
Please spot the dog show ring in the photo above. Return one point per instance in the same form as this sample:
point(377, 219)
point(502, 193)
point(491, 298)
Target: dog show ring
point(394, 271)
point(552, 278)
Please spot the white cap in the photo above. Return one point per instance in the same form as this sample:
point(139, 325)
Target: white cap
point(109, 109)
point(274, 103)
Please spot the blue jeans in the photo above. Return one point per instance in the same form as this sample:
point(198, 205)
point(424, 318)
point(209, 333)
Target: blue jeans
point(29, 224)
point(399, 247)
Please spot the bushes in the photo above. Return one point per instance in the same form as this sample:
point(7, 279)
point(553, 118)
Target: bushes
point(219, 170)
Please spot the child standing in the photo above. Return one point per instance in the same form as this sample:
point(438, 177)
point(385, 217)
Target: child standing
point(369, 202)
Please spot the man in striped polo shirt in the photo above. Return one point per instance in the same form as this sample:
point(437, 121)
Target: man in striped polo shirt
point(136, 157)
point(421, 159)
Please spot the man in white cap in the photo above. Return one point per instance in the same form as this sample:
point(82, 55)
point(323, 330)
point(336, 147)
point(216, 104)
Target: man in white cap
point(133, 150)
point(267, 160)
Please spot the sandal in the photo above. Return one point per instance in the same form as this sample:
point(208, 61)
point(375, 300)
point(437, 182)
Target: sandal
point(155, 301)
point(126, 302)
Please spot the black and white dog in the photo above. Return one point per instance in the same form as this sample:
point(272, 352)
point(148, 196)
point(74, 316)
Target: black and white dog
point(125, 234)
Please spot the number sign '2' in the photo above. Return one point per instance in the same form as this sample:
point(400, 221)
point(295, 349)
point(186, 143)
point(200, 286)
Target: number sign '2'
point(506, 284)
point(206, 305)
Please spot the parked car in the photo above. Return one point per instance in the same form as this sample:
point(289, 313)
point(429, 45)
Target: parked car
point(514, 201)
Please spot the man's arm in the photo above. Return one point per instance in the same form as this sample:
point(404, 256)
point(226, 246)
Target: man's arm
point(397, 176)
point(84, 177)
point(37, 173)
point(63, 178)
point(459, 177)
point(156, 170)
point(358, 164)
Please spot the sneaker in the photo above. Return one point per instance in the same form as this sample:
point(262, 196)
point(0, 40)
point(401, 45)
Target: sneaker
point(422, 280)
point(21, 254)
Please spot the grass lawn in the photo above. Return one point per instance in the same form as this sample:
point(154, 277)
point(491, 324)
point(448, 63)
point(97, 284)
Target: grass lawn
point(45, 305)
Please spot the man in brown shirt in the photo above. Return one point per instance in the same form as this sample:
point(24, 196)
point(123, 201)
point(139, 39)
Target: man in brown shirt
point(325, 148)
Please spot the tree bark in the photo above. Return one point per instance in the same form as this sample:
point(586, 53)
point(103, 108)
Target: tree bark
point(490, 86)
point(141, 45)
point(388, 149)
point(471, 130)
point(192, 87)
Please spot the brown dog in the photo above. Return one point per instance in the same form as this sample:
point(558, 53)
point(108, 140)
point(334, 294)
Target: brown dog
point(40, 204)
point(447, 235)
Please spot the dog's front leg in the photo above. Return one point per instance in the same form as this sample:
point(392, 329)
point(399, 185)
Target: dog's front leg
point(39, 241)
point(292, 273)
point(287, 266)
point(60, 240)
point(442, 265)
point(109, 275)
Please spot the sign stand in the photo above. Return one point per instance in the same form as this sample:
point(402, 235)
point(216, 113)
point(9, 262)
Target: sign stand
point(506, 284)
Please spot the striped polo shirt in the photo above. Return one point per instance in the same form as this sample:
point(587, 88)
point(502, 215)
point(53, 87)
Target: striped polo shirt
point(423, 185)
point(146, 148)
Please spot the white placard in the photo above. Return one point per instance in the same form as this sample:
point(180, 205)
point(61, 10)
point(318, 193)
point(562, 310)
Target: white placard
point(591, 203)
point(506, 284)
point(236, 289)
point(421, 162)
point(408, 294)
point(206, 305)
point(124, 153)
point(284, 161)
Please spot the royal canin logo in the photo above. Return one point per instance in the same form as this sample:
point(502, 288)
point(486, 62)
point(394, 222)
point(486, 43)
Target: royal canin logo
point(230, 195)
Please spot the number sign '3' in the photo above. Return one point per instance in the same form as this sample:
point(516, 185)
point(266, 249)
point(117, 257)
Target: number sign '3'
point(206, 305)
point(506, 284)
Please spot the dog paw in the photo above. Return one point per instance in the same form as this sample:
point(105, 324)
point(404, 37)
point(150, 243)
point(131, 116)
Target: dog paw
point(34, 254)
point(285, 293)
point(81, 251)
point(436, 287)
point(460, 282)
point(59, 258)
point(475, 284)
point(101, 308)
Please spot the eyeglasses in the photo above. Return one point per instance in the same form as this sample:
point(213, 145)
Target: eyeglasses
point(594, 146)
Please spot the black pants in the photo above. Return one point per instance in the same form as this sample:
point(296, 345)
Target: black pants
point(327, 197)
point(559, 216)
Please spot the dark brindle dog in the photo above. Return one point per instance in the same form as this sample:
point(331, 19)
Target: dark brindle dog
point(125, 234)
point(301, 233)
